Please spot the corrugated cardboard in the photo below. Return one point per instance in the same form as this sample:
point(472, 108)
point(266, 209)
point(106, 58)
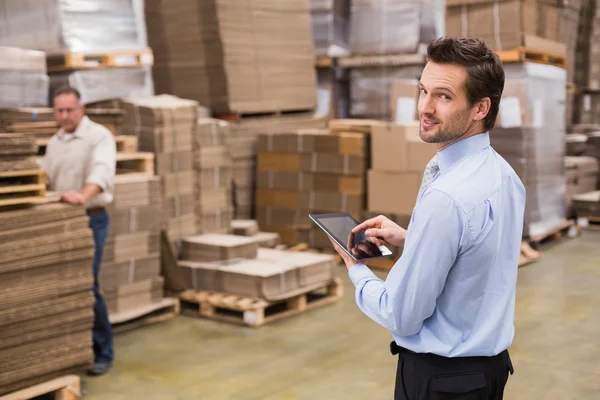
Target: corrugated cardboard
point(301, 181)
point(217, 247)
point(404, 99)
point(323, 201)
point(393, 192)
point(341, 164)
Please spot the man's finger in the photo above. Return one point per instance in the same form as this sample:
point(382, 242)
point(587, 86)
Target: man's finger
point(364, 225)
point(374, 232)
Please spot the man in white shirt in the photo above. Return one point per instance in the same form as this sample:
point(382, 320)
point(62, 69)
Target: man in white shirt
point(80, 162)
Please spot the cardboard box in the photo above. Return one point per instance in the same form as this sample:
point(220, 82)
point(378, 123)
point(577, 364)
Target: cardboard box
point(322, 201)
point(419, 154)
point(393, 192)
point(404, 99)
point(305, 181)
point(313, 141)
point(341, 164)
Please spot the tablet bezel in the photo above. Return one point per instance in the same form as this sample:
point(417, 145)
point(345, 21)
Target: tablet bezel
point(315, 218)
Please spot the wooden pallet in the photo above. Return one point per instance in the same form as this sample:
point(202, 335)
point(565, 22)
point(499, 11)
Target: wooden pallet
point(389, 60)
point(523, 54)
point(323, 62)
point(100, 60)
point(135, 163)
point(64, 388)
point(168, 308)
point(567, 228)
point(236, 117)
point(22, 187)
point(254, 312)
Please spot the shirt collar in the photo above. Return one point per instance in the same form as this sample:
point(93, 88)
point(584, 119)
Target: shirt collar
point(79, 130)
point(463, 148)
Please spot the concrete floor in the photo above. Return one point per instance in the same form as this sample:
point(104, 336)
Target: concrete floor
point(337, 353)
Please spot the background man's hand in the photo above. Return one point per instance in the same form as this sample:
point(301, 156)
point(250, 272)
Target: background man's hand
point(73, 198)
point(381, 230)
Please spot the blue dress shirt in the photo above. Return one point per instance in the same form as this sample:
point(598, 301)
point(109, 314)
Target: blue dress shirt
point(452, 292)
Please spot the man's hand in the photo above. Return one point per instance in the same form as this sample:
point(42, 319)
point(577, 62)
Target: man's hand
point(345, 257)
point(73, 198)
point(380, 230)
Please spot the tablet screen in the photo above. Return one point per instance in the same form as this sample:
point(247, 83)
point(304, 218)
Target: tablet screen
point(340, 225)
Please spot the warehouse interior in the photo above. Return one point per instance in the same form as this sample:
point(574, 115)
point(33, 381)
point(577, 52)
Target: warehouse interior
point(225, 124)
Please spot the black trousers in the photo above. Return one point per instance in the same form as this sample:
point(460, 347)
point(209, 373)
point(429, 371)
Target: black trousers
point(431, 377)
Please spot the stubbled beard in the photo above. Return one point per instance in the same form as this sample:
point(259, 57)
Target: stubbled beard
point(452, 129)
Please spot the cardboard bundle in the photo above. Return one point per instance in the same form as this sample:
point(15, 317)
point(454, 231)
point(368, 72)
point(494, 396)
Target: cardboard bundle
point(587, 62)
point(23, 78)
point(247, 227)
point(587, 204)
point(588, 108)
point(107, 83)
point(218, 247)
point(242, 149)
point(132, 251)
point(111, 119)
point(46, 300)
point(568, 33)
point(272, 275)
point(241, 58)
point(371, 89)
point(309, 171)
point(330, 27)
point(582, 177)
point(212, 162)
point(507, 24)
point(58, 25)
point(530, 135)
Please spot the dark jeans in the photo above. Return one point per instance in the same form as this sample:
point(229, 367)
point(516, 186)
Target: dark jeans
point(103, 338)
point(431, 377)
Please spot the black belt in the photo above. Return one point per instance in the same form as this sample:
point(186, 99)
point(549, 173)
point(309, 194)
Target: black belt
point(95, 210)
point(395, 349)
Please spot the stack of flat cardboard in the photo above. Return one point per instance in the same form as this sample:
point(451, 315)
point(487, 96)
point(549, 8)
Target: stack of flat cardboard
point(242, 149)
point(166, 125)
point(587, 205)
point(234, 57)
point(46, 300)
point(587, 61)
point(23, 78)
point(271, 275)
point(130, 274)
point(309, 171)
point(330, 27)
point(34, 122)
point(218, 247)
point(582, 177)
point(394, 26)
point(110, 118)
point(17, 152)
point(530, 135)
point(214, 207)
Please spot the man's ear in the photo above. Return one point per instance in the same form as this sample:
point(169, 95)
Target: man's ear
point(482, 108)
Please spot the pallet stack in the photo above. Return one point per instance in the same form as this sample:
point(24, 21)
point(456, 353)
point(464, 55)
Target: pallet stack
point(98, 48)
point(46, 300)
point(24, 81)
point(213, 186)
point(582, 177)
point(309, 171)
point(166, 126)
point(38, 123)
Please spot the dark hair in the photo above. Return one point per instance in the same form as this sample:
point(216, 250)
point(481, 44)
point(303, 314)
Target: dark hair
point(67, 90)
point(485, 70)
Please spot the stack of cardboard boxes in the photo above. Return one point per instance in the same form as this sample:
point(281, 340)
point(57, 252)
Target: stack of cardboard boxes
point(309, 171)
point(166, 126)
point(130, 275)
point(23, 78)
point(214, 207)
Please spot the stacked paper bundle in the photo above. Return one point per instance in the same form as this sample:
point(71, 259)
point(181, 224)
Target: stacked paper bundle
point(131, 264)
point(214, 207)
point(218, 247)
point(270, 275)
point(46, 300)
point(23, 78)
point(248, 57)
point(530, 135)
point(394, 26)
point(242, 149)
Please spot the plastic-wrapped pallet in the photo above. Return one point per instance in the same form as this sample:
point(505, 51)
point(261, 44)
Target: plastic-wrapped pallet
point(23, 78)
point(73, 25)
point(394, 26)
point(106, 84)
point(530, 135)
point(330, 27)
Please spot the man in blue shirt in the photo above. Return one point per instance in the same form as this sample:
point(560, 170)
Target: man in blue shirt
point(449, 300)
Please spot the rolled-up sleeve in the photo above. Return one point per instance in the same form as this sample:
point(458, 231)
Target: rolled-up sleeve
point(104, 159)
point(408, 296)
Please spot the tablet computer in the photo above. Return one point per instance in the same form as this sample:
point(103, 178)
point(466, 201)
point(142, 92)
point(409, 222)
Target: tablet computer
point(338, 226)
